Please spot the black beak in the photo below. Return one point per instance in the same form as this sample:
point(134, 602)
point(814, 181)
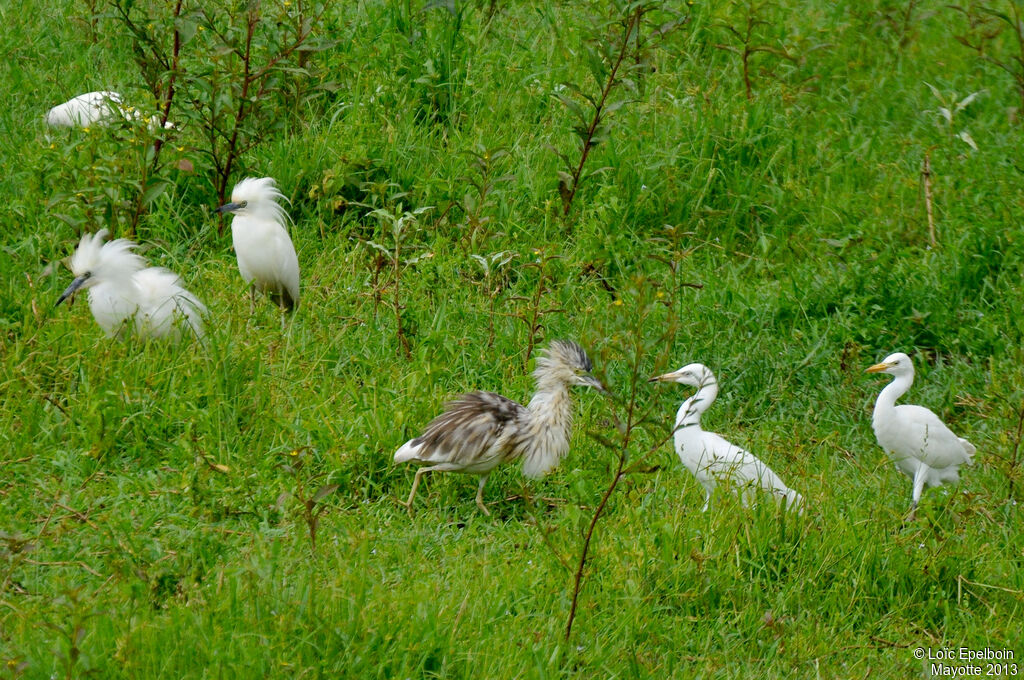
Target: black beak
point(228, 207)
point(75, 285)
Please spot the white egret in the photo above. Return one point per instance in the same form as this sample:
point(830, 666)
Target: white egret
point(85, 110)
point(266, 256)
point(920, 444)
point(96, 109)
point(481, 430)
point(709, 457)
point(123, 291)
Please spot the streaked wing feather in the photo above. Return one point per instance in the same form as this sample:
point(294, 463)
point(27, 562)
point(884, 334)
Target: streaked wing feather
point(469, 430)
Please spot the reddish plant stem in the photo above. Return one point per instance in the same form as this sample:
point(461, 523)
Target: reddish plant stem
point(168, 98)
point(243, 98)
point(588, 143)
point(616, 478)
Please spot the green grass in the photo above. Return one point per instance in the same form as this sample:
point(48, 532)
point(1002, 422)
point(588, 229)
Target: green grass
point(126, 553)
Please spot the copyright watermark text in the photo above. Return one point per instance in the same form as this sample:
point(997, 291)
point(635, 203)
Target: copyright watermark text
point(969, 662)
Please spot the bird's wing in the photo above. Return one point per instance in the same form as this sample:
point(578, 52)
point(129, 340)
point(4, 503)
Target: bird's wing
point(725, 460)
point(162, 298)
point(84, 110)
point(288, 264)
point(477, 431)
point(938, 447)
point(112, 305)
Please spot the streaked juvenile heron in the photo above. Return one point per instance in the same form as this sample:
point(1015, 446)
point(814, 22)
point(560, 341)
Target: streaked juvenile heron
point(266, 256)
point(709, 457)
point(481, 430)
point(920, 444)
point(123, 290)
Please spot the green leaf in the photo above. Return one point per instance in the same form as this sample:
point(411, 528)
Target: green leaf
point(598, 67)
point(572, 105)
point(153, 190)
point(575, 88)
point(186, 27)
point(615, 106)
point(324, 491)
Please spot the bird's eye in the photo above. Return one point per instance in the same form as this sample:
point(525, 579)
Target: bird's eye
point(242, 204)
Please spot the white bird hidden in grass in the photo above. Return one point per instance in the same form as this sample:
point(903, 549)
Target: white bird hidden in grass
point(124, 292)
point(709, 457)
point(481, 430)
point(920, 444)
point(266, 256)
point(96, 109)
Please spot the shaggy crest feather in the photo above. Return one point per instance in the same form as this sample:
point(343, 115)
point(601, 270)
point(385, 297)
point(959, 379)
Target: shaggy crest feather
point(261, 196)
point(113, 259)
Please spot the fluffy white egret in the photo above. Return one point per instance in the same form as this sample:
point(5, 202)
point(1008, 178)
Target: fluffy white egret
point(123, 291)
point(709, 457)
point(481, 430)
point(920, 444)
point(96, 109)
point(91, 108)
point(266, 256)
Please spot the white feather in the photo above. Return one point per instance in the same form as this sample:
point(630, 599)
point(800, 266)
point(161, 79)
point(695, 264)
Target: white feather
point(85, 110)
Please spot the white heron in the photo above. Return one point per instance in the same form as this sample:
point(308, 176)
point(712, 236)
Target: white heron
point(481, 430)
point(920, 444)
point(266, 256)
point(96, 109)
point(123, 291)
point(709, 457)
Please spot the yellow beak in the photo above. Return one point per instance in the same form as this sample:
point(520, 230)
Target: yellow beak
point(665, 377)
point(878, 368)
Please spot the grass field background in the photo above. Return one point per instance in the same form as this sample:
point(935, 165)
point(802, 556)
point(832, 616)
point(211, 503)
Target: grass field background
point(150, 494)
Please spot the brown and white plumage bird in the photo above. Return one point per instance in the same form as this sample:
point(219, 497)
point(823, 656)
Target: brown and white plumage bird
point(481, 430)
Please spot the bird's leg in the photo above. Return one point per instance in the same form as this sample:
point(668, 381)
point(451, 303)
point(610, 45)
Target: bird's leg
point(919, 476)
point(252, 299)
point(415, 484)
point(707, 501)
point(480, 496)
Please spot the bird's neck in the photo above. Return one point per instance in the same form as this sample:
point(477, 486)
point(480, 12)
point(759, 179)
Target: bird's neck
point(546, 438)
point(893, 391)
point(692, 409)
point(117, 284)
point(551, 405)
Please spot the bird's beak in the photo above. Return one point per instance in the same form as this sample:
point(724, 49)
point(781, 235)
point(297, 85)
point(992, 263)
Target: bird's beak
point(228, 207)
point(665, 377)
point(594, 382)
point(878, 368)
point(75, 285)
